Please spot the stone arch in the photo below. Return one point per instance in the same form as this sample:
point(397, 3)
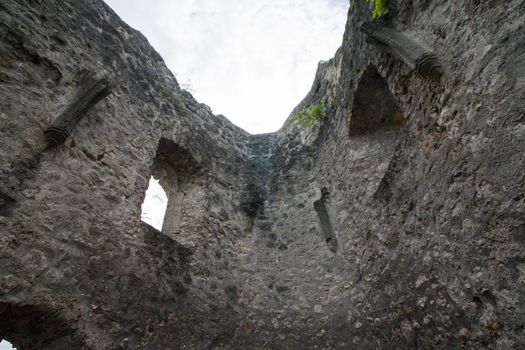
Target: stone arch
point(31, 327)
point(374, 129)
point(374, 106)
point(174, 167)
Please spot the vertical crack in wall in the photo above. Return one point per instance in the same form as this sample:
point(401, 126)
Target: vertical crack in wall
point(257, 170)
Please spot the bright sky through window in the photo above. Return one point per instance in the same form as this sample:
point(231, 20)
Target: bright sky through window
point(154, 206)
point(4, 345)
point(252, 61)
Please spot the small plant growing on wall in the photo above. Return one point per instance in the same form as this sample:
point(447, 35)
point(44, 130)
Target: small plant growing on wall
point(308, 117)
point(188, 86)
point(380, 7)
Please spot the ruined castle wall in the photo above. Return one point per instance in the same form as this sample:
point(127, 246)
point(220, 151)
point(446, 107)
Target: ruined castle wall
point(430, 219)
point(357, 233)
point(73, 245)
point(427, 213)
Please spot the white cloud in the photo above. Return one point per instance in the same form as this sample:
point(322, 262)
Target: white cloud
point(252, 61)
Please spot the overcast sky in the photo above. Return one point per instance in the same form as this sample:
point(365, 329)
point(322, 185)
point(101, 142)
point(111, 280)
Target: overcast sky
point(251, 60)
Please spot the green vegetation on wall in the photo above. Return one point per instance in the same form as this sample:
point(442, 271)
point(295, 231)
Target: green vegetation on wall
point(308, 117)
point(380, 7)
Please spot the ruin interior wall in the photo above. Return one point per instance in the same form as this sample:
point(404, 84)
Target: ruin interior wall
point(398, 222)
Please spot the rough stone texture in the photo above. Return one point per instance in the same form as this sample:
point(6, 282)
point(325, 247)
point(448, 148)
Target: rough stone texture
point(426, 208)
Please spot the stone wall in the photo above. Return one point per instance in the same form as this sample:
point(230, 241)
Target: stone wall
point(419, 183)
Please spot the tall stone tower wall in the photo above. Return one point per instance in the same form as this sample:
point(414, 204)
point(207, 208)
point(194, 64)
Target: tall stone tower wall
point(398, 222)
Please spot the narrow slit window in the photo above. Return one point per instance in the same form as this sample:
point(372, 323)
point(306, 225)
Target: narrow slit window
point(154, 205)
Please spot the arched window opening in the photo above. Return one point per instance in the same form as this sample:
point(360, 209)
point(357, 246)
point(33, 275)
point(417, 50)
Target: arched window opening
point(5, 345)
point(374, 106)
point(171, 174)
point(375, 130)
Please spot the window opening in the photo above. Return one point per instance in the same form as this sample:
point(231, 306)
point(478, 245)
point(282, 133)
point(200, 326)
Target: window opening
point(172, 175)
point(154, 205)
